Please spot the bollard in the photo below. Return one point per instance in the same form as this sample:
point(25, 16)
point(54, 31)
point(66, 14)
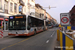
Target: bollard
point(61, 43)
point(68, 27)
point(66, 42)
point(58, 34)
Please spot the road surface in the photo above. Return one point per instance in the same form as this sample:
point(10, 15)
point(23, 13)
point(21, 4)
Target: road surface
point(41, 41)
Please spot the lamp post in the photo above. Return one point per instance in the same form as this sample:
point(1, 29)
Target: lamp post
point(49, 7)
point(45, 15)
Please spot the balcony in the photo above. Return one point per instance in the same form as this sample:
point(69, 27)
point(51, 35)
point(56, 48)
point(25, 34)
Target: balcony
point(21, 2)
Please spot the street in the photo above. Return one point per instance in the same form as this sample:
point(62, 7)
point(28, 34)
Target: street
point(42, 41)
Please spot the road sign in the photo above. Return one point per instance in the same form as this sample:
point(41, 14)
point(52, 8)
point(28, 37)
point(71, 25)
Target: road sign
point(64, 19)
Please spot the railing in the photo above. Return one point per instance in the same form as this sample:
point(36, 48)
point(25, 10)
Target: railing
point(66, 41)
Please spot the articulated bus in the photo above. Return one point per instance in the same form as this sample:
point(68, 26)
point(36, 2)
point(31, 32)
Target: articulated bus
point(24, 25)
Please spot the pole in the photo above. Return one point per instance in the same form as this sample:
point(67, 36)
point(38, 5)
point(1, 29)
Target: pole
point(4, 27)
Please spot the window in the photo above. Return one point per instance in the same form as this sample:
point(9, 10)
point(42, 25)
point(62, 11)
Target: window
point(0, 23)
point(15, 7)
point(11, 7)
point(0, 4)
point(17, 23)
point(32, 0)
point(25, 9)
point(72, 14)
point(6, 7)
point(34, 22)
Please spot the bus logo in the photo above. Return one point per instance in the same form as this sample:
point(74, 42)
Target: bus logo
point(11, 17)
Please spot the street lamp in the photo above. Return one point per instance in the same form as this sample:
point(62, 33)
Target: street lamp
point(45, 15)
point(49, 7)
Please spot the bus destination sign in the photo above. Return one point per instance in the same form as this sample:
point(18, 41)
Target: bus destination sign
point(18, 16)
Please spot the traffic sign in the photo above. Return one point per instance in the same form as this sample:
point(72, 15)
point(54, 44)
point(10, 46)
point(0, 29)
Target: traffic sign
point(64, 19)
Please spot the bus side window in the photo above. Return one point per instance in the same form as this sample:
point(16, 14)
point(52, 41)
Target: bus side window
point(29, 20)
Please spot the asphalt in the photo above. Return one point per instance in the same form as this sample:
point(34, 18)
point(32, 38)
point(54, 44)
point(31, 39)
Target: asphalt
point(42, 41)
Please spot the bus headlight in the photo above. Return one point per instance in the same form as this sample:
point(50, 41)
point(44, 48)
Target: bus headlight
point(8, 33)
point(25, 33)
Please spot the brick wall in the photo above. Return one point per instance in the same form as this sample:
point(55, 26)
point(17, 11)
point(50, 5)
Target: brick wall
point(72, 16)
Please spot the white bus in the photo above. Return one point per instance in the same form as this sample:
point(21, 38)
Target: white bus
point(22, 25)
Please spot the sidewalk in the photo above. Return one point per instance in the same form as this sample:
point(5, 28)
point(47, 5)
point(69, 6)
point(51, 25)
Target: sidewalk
point(57, 45)
point(5, 33)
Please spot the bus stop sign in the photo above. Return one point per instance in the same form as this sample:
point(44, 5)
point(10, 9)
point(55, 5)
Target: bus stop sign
point(64, 19)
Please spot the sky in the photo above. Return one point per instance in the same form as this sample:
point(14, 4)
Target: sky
point(62, 6)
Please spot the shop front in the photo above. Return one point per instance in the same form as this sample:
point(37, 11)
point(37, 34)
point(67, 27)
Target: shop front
point(3, 23)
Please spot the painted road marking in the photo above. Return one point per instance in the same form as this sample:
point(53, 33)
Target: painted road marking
point(15, 44)
point(21, 42)
point(52, 34)
point(47, 41)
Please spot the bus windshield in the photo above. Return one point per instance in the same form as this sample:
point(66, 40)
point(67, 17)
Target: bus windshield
point(17, 24)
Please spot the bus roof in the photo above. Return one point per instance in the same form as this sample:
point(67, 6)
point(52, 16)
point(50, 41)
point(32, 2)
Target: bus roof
point(35, 17)
point(17, 15)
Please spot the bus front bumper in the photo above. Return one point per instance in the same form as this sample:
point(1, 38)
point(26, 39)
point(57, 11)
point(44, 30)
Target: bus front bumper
point(25, 34)
point(17, 34)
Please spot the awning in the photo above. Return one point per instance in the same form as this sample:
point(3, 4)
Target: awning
point(3, 19)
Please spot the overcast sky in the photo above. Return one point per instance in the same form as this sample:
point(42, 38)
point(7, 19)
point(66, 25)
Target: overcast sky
point(62, 6)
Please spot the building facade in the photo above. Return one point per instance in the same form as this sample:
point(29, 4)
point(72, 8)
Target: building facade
point(11, 7)
point(7, 8)
point(39, 11)
point(72, 16)
point(15, 7)
point(31, 7)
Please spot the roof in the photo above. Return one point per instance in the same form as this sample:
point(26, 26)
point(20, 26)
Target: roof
point(38, 5)
point(72, 9)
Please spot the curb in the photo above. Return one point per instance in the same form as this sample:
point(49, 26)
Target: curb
point(57, 45)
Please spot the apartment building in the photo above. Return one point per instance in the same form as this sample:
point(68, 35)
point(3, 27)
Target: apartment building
point(11, 7)
point(14, 7)
point(48, 16)
point(39, 11)
point(72, 16)
point(31, 7)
